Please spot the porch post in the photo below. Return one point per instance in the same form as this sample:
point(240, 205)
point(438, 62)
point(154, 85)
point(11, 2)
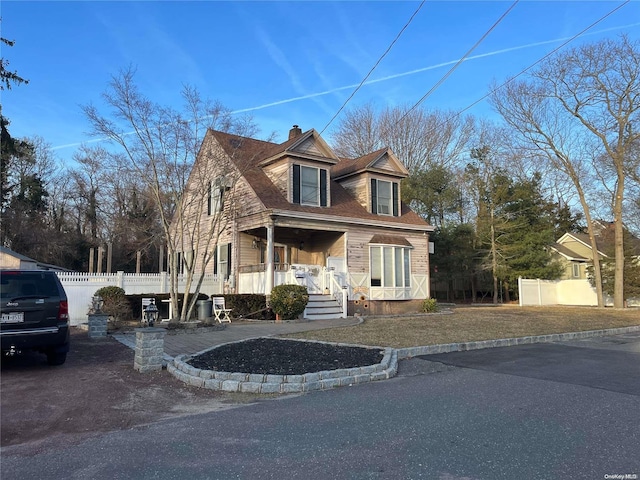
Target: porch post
point(269, 271)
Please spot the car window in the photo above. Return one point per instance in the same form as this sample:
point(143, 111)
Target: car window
point(25, 284)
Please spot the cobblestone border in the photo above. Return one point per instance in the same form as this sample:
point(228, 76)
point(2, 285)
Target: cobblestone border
point(254, 383)
point(509, 342)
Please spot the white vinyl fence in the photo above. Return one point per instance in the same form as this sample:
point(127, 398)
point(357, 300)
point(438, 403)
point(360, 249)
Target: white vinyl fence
point(80, 287)
point(561, 292)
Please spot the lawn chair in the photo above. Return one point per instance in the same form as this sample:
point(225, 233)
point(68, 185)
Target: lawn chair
point(219, 311)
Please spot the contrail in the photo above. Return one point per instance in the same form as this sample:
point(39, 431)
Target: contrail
point(390, 77)
point(424, 69)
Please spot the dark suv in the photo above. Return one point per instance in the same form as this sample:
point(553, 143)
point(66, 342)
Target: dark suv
point(34, 314)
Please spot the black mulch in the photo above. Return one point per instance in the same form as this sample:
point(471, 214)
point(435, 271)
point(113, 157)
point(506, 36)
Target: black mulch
point(284, 357)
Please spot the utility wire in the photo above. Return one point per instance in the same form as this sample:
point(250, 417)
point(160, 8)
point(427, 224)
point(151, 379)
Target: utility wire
point(374, 67)
point(452, 69)
point(541, 59)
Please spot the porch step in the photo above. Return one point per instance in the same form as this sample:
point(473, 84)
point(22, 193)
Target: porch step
point(322, 307)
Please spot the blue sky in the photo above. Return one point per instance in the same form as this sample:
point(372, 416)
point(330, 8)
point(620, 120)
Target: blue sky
point(284, 62)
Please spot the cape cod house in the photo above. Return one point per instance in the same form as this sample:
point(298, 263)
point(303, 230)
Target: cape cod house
point(295, 212)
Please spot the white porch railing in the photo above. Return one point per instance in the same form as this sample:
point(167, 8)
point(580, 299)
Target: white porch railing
point(80, 287)
point(317, 279)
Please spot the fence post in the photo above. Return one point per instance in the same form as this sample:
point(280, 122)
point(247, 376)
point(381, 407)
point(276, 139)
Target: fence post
point(120, 279)
point(345, 300)
point(539, 293)
point(520, 290)
point(164, 287)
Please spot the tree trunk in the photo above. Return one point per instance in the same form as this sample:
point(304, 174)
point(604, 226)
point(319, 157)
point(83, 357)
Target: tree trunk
point(494, 259)
point(618, 282)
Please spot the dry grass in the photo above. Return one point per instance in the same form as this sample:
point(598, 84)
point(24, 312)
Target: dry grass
point(467, 324)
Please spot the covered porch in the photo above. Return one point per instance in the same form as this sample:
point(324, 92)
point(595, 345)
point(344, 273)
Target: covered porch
point(276, 255)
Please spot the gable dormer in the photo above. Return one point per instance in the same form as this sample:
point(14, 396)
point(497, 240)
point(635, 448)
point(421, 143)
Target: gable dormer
point(300, 167)
point(374, 180)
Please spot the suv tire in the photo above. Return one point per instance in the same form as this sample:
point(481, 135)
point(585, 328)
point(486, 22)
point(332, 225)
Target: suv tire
point(56, 358)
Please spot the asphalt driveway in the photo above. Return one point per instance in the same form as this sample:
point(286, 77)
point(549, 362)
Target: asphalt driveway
point(546, 411)
point(609, 363)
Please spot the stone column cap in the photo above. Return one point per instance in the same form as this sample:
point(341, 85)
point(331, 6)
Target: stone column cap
point(150, 330)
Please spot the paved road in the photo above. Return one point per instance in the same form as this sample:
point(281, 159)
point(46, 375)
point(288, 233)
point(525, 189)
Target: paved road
point(528, 412)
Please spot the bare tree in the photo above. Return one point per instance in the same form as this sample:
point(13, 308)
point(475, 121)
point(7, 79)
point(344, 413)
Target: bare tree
point(420, 138)
point(579, 108)
point(159, 145)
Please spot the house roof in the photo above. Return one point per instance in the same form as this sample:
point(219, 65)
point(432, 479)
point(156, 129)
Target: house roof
point(352, 166)
point(390, 240)
point(249, 154)
point(568, 253)
point(24, 258)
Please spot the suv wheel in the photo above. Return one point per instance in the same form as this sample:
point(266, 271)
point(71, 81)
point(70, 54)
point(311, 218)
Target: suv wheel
point(56, 358)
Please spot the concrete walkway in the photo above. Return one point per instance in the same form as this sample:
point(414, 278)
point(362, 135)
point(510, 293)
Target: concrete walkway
point(185, 342)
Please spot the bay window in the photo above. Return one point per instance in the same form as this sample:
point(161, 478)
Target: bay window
point(390, 266)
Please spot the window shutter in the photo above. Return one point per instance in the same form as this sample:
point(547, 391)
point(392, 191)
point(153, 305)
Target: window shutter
point(395, 199)
point(296, 184)
point(215, 260)
point(323, 187)
point(374, 197)
point(228, 260)
point(209, 200)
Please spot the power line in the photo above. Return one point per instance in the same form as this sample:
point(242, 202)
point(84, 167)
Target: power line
point(374, 67)
point(541, 59)
point(452, 69)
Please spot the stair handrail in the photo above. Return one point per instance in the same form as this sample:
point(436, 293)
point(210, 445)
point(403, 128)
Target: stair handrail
point(337, 291)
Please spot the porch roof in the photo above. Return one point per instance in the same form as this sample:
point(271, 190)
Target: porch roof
point(390, 240)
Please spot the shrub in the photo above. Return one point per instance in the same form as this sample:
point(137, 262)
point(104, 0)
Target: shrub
point(116, 304)
point(289, 301)
point(248, 305)
point(430, 305)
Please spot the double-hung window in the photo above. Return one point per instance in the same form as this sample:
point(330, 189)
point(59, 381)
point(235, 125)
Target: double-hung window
point(309, 185)
point(384, 197)
point(390, 266)
point(216, 198)
point(576, 270)
point(222, 260)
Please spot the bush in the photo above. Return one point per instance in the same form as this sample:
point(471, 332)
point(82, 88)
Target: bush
point(430, 305)
point(289, 301)
point(248, 305)
point(116, 304)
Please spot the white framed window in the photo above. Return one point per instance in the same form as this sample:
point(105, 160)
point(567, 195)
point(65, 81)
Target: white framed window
point(310, 185)
point(390, 266)
point(384, 197)
point(222, 260)
point(576, 270)
point(216, 198)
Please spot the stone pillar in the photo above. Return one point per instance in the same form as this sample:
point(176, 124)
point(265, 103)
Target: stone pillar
point(149, 349)
point(98, 326)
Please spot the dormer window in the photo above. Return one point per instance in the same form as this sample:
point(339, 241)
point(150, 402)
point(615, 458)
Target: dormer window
point(309, 185)
point(384, 197)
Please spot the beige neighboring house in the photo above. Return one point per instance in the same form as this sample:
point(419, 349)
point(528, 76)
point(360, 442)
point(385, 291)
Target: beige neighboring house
point(295, 212)
point(574, 252)
point(13, 260)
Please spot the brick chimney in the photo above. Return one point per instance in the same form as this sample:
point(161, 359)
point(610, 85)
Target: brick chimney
point(296, 131)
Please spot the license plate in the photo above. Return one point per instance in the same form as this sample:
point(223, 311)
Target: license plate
point(12, 317)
